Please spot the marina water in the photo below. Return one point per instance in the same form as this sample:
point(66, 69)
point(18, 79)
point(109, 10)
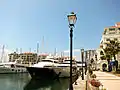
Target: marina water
point(24, 82)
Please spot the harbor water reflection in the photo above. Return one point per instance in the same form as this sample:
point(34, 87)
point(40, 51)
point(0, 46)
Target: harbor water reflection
point(61, 84)
point(13, 81)
point(24, 82)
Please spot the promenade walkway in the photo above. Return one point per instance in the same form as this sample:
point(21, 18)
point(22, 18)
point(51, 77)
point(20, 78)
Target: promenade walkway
point(81, 84)
point(109, 81)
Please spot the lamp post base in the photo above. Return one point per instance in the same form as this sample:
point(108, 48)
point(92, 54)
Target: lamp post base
point(71, 87)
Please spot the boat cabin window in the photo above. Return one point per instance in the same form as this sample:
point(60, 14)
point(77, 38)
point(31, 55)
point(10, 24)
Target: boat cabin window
point(66, 60)
point(46, 61)
point(69, 60)
point(68, 63)
point(1, 65)
point(55, 62)
point(65, 63)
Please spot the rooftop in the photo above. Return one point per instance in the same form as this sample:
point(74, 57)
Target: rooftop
point(116, 25)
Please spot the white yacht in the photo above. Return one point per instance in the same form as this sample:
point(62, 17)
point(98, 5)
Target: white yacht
point(43, 69)
point(12, 67)
point(65, 68)
point(51, 68)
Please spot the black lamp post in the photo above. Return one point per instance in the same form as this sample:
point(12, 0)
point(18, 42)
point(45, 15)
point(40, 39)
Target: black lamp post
point(82, 56)
point(72, 20)
point(86, 62)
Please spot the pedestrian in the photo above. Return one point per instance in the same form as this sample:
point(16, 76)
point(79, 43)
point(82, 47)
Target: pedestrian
point(77, 76)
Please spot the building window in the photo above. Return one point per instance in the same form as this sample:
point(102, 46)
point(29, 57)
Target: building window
point(107, 39)
point(112, 33)
point(115, 38)
point(111, 29)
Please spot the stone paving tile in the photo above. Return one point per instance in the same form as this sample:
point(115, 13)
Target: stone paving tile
point(110, 82)
point(80, 84)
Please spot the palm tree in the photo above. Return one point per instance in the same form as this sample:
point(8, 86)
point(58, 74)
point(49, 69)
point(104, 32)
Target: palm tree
point(108, 55)
point(103, 57)
point(112, 49)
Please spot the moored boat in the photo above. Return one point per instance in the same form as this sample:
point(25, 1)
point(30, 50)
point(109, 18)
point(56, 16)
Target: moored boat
point(12, 67)
point(43, 69)
point(65, 68)
point(51, 68)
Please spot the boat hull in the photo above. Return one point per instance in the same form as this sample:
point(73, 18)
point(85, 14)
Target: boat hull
point(50, 73)
point(64, 72)
point(38, 73)
point(5, 70)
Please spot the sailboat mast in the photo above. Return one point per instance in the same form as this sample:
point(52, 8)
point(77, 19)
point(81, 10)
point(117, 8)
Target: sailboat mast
point(29, 49)
point(37, 52)
point(55, 52)
point(16, 50)
point(2, 53)
point(42, 44)
point(20, 50)
point(37, 48)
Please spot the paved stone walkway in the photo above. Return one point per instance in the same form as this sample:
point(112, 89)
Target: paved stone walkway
point(110, 81)
point(81, 84)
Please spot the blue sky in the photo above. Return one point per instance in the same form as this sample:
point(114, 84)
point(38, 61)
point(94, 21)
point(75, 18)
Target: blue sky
point(23, 23)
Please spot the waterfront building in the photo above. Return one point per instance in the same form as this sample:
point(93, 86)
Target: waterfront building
point(109, 33)
point(90, 55)
point(13, 56)
point(41, 56)
point(26, 57)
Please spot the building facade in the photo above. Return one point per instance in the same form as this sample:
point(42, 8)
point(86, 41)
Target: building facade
point(25, 57)
point(109, 33)
point(13, 56)
point(28, 57)
point(90, 55)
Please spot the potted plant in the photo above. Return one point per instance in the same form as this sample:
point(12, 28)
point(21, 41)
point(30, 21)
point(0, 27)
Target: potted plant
point(94, 82)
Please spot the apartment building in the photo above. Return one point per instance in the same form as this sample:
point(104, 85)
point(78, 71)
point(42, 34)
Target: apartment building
point(109, 33)
point(13, 56)
point(26, 57)
point(90, 55)
point(42, 56)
